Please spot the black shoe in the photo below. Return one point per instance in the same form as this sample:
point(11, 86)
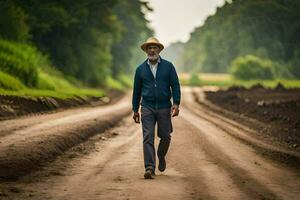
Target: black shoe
point(162, 163)
point(153, 173)
point(149, 174)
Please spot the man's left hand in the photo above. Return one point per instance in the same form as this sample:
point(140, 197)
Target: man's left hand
point(175, 110)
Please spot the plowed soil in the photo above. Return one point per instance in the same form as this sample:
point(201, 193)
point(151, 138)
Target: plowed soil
point(277, 110)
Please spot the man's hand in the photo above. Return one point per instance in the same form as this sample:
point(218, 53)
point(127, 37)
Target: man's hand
point(175, 110)
point(136, 117)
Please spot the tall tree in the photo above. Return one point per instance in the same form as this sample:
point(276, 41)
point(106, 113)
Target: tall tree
point(86, 39)
point(265, 28)
point(13, 22)
point(134, 31)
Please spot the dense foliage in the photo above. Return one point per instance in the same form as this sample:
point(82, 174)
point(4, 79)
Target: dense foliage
point(21, 61)
point(133, 33)
point(252, 67)
point(86, 39)
point(269, 29)
point(8, 82)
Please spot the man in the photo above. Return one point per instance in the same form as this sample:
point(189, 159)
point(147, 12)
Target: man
point(155, 81)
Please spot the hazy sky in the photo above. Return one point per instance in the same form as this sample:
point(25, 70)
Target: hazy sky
point(173, 20)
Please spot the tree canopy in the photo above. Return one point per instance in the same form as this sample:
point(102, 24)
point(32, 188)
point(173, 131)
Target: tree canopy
point(87, 39)
point(269, 29)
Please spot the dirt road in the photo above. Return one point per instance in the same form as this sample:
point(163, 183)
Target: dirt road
point(210, 158)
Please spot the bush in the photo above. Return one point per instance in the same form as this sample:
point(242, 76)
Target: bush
point(251, 67)
point(8, 82)
point(125, 80)
point(194, 80)
point(114, 84)
point(21, 61)
point(52, 82)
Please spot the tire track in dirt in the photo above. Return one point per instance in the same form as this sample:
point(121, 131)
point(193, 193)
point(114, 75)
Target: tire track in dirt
point(204, 162)
point(25, 149)
point(263, 146)
point(113, 171)
point(255, 176)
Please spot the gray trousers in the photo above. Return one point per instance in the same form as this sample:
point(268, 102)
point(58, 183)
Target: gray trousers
point(149, 118)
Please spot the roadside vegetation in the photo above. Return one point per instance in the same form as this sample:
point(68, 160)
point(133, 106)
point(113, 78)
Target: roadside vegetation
point(252, 40)
point(63, 49)
point(227, 80)
point(26, 72)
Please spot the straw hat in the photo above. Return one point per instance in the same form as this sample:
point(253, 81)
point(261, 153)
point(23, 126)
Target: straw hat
point(153, 41)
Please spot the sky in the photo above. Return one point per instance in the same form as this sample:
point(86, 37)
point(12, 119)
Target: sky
point(174, 20)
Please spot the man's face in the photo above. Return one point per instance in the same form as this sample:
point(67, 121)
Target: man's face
point(152, 52)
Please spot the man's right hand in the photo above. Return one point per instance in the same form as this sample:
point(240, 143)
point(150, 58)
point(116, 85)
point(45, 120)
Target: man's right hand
point(136, 117)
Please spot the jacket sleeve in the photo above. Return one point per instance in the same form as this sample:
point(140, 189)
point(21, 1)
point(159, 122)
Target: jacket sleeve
point(175, 86)
point(137, 90)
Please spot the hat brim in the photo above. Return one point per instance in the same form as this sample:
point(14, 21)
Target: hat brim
point(144, 46)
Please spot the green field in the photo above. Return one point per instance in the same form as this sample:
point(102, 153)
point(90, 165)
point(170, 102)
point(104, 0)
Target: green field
point(225, 80)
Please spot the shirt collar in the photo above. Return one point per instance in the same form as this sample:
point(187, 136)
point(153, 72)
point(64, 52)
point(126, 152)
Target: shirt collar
point(158, 61)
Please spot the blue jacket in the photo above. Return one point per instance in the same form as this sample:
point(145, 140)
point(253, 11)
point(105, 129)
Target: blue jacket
point(155, 92)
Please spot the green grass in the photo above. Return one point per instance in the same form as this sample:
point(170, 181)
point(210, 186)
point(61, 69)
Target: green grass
point(114, 84)
point(57, 94)
point(126, 80)
point(48, 85)
point(21, 61)
point(225, 80)
point(52, 82)
point(222, 80)
point(9, 82)
point(24, 71)
point(269, 83)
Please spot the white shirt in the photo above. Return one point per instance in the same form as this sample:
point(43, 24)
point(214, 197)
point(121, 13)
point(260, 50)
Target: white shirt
point(153, 68)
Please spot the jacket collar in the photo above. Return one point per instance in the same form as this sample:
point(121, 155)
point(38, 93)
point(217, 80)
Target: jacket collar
point(158, 61)
point(148, 66)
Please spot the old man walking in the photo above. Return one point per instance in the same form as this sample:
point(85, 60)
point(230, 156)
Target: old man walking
point(155, 83)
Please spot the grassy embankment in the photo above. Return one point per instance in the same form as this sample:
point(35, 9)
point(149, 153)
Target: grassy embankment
point(226, 80)
point(26, 72)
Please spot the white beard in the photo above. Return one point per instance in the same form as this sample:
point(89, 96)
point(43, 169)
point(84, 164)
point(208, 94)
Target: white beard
point(154, 57)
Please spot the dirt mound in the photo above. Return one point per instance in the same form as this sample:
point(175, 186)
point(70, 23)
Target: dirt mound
point(278, 109)
point(257, 86)
point(36, 140)
point(236, 88)
point(12, 106)
point(280, 87)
